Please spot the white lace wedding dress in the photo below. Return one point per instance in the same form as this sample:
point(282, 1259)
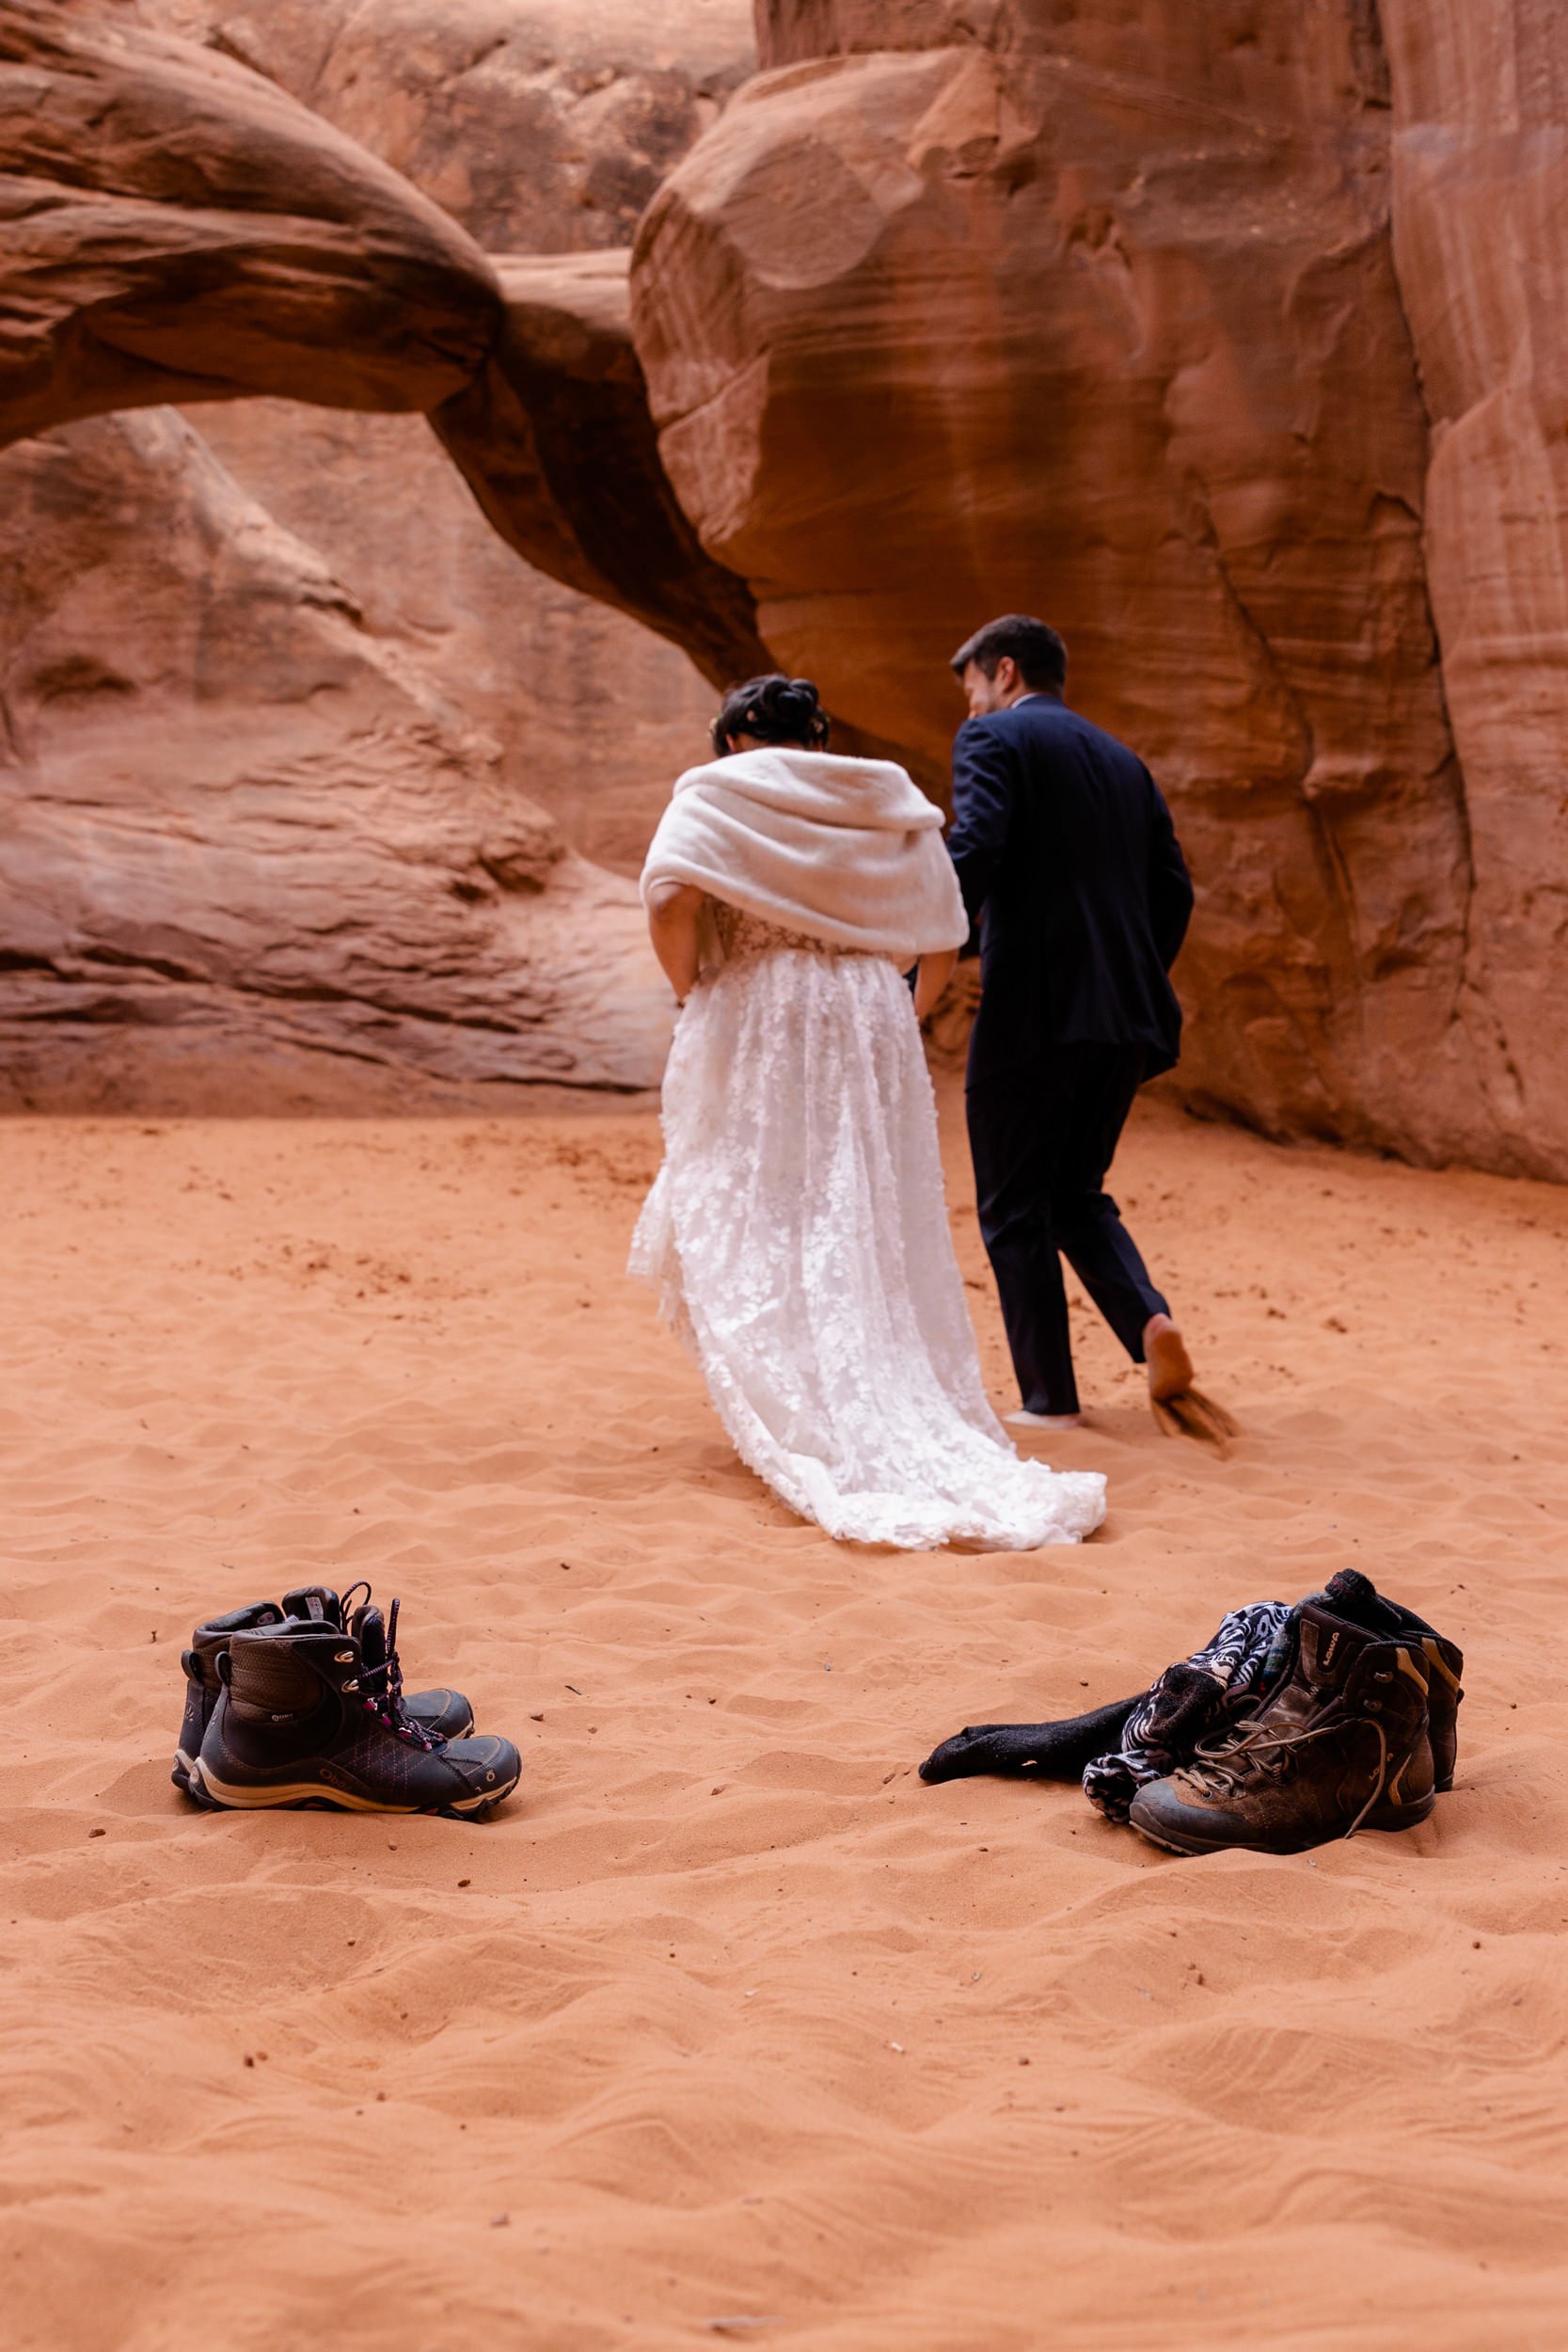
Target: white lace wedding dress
point(799, 1232)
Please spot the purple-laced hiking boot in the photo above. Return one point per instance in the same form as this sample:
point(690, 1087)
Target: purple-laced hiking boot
point(445, 1713)
point(311, 1714)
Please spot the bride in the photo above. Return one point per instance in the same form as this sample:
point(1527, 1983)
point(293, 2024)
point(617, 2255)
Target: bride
point(798, 1228)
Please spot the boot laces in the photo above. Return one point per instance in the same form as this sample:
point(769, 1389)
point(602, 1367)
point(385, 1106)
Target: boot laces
point(380, 1694)
point(1220, 1764)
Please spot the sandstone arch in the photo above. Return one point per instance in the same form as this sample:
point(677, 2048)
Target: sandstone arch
point(176, 228)
point(181, 228)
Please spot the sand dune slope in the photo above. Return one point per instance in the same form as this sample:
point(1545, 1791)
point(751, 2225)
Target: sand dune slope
point(727, 2028)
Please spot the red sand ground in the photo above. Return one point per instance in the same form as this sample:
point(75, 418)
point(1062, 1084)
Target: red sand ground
point(726, 2028)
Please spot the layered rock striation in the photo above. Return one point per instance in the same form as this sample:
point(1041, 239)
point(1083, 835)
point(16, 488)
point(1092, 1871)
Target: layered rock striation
point(253, 859)
point(1480, 94)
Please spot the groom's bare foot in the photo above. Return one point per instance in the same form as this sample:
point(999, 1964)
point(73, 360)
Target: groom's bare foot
point(1170, 1367)
point(1023, 1419)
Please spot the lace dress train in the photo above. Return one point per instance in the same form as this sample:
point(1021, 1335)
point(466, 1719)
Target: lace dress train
point(798, 1232)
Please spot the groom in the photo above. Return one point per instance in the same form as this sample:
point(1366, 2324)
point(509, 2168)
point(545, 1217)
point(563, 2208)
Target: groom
point(1069, 862)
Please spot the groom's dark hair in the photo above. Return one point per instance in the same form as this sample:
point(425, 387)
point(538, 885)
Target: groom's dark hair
point(1040, 655)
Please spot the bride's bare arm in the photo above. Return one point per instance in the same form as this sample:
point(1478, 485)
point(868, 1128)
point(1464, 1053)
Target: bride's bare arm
point(931, 977)
point(672, 912)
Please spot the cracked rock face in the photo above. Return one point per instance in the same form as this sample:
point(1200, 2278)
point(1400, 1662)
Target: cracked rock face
point(254, 859)
point(1093, 311)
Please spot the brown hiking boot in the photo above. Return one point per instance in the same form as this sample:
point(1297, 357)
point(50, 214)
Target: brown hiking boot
point(1349, 1593)
point(1341, 1745)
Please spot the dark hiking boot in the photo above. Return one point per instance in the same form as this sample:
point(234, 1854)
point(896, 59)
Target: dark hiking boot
point(200, 1662)
point(443, 1713)
point(447, 1714)
point(1354, 1596)
point(1340, 1744)
point(307, 1716)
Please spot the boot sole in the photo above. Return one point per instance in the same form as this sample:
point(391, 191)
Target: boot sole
point(1168, 1845)
point(233, 1797)
point(1169, 1842)
point(1192, 1850)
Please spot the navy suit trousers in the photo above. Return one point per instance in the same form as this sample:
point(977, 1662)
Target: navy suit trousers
point(1043, 1133)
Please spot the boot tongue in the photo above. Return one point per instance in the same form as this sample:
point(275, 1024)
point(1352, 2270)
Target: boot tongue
point(315, 1603)
point(380, 1678)
point(1325, 1647)
point(369, 1628)
point(1329, 1646)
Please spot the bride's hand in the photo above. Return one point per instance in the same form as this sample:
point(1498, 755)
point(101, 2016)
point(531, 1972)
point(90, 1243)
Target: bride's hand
point(932, 975)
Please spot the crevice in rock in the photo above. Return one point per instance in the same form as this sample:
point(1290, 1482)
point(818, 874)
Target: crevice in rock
point(1467, 980)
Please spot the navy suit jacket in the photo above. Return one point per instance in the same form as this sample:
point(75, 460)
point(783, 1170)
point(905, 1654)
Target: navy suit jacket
point(1070, 864)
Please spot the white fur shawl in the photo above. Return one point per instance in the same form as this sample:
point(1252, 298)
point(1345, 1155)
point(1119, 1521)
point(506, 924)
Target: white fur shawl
point(846, 850)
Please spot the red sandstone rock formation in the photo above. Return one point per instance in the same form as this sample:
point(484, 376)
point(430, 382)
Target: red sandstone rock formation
point(187, 230)
point(592, 715)
point(178, 229)
point(540, 128)
point(1090, 308)
point(1094, 313)
point(252, 859)
point(1480, 203)
point(158, 186)
point(547, 130)
point(557, 441)
point(544, 136)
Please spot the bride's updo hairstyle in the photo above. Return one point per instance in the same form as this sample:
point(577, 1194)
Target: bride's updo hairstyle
point(774, 709)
